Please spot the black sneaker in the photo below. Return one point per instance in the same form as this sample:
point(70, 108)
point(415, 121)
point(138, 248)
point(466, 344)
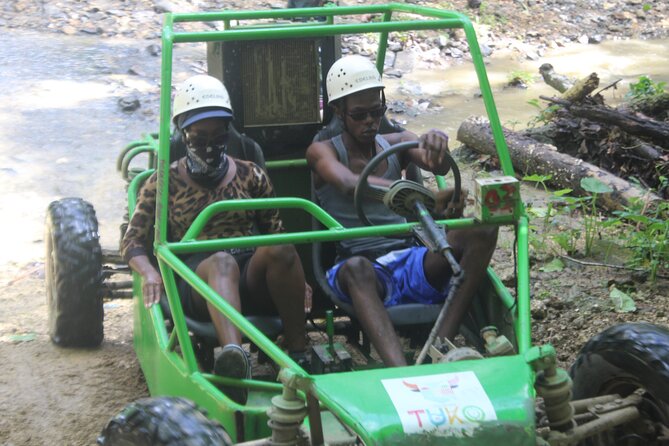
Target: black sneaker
point(302, 359)
point(234, 363)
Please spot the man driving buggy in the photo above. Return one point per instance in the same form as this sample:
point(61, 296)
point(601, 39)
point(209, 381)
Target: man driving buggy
point(263, 280)
point(376, 272)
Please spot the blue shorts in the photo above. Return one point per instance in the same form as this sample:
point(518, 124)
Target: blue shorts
point(402, 276)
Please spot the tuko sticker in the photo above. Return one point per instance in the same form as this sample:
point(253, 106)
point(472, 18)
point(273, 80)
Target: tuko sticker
point(448, 403)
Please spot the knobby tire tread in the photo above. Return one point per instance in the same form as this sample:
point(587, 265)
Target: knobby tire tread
point(163, 421)
point(634, 347)
point(74, 279)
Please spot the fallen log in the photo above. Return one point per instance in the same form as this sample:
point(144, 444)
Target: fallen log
point(531, 157)
point(656, 131)
point(575, 93)
point(643, 150)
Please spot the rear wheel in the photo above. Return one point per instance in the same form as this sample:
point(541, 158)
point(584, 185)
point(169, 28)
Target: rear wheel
point(73, 274)
point(620, 360)
point(163, 421)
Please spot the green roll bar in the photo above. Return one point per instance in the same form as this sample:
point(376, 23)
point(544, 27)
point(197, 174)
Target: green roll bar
point(393, 19)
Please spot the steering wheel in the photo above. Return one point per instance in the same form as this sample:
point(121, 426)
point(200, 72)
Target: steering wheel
point(402, 195)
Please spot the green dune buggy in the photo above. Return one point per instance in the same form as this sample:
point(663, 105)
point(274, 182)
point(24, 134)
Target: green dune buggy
point(500, 389)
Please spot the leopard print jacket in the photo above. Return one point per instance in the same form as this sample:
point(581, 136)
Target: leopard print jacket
point(187, 200)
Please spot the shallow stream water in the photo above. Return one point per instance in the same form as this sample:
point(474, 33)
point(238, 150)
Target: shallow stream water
point(455, 89)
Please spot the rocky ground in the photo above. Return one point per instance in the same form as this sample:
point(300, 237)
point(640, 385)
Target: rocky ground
point(56, 396)
point(530, 26)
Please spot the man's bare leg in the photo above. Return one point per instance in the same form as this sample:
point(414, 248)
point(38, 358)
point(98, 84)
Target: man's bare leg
point(358, 280)
point(474, 249)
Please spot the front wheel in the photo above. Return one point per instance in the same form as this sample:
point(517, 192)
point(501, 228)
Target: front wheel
point(163, 421)
point(620, 360)
point(73, 273)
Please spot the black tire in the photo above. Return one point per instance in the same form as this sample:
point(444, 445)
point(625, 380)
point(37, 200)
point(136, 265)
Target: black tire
point(164, 421)
point(73, 274)
point(620, 360)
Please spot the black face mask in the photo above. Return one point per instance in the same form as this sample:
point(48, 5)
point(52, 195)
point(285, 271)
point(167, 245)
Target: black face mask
point(206, 161)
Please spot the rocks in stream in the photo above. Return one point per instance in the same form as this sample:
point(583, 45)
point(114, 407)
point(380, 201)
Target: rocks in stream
point(546, 24)
point(129, 103)
point(524, 28)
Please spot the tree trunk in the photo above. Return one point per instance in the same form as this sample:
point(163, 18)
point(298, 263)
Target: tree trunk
point(531, 157)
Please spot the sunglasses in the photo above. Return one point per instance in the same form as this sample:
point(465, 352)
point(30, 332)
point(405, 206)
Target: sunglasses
point(200, 142)
point(362, 115)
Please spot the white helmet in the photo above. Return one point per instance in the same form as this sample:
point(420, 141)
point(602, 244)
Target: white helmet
point(201, 91)
point(351, 74)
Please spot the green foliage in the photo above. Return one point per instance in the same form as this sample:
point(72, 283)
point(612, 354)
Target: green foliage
point(555, 265)
point(512, 123)
point(548, 212)
point(564, 238)
point(489, 18)
point(643, 231)
point(591, 221)
point(622, 302)
point(519, 77)
point(645, 88)
point(545, 114)
point(567, 239)
point(401, 36)
point(561, 202)
point(646, 234)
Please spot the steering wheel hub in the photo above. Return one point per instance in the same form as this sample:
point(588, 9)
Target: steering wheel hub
point(403, 194)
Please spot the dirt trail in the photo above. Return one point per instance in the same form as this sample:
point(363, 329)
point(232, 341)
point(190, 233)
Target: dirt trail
point(61, 138)
point(50, 395)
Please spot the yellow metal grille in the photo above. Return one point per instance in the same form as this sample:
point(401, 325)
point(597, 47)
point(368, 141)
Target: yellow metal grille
point(280, 83)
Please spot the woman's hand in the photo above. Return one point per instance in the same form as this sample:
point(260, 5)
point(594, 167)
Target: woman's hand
point(152, 282)
point(152, 287)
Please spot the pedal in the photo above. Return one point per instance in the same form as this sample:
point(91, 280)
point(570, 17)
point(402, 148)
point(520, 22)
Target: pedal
point(328, 358)
point(443, 350)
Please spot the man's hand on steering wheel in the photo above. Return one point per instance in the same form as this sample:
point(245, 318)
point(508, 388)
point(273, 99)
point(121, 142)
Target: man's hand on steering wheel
point(444, 205)
point(403, 203)
point(435, 148)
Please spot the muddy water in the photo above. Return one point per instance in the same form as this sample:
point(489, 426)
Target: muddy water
point(455, 89)
point(62, 129)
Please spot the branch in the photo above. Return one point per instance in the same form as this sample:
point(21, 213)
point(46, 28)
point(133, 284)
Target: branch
point(614, 84)
point(607, 265)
